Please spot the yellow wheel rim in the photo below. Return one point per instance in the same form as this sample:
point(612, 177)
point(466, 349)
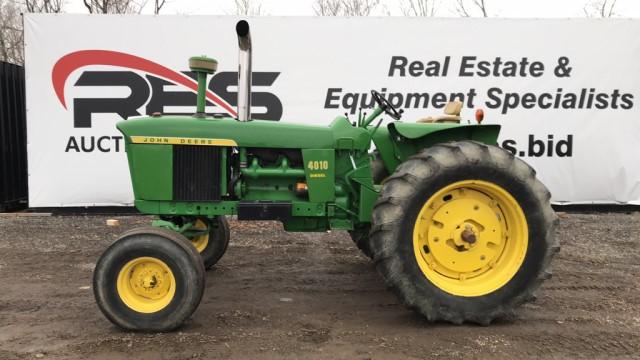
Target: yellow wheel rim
point(470, 238)
point(146, 284)
point(200, 242)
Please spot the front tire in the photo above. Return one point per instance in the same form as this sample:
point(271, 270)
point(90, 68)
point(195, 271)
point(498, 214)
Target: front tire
point(150, 279)
point(464, 231)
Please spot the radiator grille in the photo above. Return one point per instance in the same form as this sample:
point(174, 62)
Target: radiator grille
point(196, 173)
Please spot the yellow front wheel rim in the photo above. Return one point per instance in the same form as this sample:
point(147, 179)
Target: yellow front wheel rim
point(146, 284)
point(470, 238)
point(200, 242)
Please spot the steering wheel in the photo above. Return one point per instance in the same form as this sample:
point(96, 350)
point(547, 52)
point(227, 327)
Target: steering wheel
point(386, 105)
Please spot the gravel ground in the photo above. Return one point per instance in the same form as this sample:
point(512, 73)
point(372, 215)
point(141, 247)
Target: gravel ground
point(278, 295)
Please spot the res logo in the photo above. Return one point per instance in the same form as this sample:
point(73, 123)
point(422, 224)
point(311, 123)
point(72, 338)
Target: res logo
point(148, 91)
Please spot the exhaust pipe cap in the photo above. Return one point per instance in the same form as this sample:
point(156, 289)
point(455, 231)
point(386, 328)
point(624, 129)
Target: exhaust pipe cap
point(242, 28)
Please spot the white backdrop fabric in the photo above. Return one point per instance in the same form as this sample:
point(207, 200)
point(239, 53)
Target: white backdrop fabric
point(564, 91)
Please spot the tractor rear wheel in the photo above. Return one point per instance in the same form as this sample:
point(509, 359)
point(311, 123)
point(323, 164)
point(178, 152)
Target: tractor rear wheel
point(378, 170)
point(150, 279)
point(464, 231)
point(214, 243)
point(360, 236)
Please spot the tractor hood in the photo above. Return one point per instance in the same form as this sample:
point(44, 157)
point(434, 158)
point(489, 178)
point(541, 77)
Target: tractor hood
point(254, 133)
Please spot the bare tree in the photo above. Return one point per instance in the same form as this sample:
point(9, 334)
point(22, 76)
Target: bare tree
point(113, 6)
point(418, 7)
point(157, 6)
point(44, 6)
point(359, 7)
point(461, 8)
point(248, 8)
point(345, 7)
point(600, 8)
point(11, 35)
point(327, 7)
point(10, 32)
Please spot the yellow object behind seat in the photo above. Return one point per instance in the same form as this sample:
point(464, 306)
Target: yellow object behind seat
point(451, 114)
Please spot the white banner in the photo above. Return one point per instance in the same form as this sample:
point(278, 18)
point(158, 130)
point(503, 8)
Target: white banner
point(565, 91)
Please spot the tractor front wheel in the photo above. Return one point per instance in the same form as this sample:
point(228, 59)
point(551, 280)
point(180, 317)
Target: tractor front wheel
point(463, 231)
point(150, 279)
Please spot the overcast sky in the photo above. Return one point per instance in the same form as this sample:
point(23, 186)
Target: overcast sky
point(445, 8)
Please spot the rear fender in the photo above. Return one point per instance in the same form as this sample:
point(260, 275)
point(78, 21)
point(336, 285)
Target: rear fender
point(401, 140)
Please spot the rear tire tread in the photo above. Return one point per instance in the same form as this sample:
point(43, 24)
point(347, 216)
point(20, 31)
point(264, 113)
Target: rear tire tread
point(388, 213)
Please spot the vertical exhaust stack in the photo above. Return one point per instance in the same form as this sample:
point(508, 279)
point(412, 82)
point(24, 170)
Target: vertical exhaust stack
point(244, 70)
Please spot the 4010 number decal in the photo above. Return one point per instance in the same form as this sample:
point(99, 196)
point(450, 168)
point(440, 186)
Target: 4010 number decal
point(318, 165)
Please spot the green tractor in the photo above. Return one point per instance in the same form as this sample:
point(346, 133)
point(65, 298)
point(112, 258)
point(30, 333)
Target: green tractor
point(460, 229)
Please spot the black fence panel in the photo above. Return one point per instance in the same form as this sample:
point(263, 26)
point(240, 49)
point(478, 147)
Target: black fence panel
point(13, 138)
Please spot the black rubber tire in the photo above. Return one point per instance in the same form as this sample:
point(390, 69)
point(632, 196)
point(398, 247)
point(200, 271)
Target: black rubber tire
point(378, 171)
point(406, 191)
point(174, 250)
point(360, 236)
point(218, 241)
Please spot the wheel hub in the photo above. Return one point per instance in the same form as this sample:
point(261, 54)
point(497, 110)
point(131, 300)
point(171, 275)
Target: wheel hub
point(468, 235)
point(464, 236)
point(459, 224)
point(149, 280)
point(146, 284)
point(462, 233)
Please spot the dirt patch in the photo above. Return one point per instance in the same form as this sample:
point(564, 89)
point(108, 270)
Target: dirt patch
point(285, 295)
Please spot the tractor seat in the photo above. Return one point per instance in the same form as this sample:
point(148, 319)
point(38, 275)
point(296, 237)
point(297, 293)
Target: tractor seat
point(451, 114)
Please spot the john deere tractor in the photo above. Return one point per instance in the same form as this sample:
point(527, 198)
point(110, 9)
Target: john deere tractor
point(460, 229)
